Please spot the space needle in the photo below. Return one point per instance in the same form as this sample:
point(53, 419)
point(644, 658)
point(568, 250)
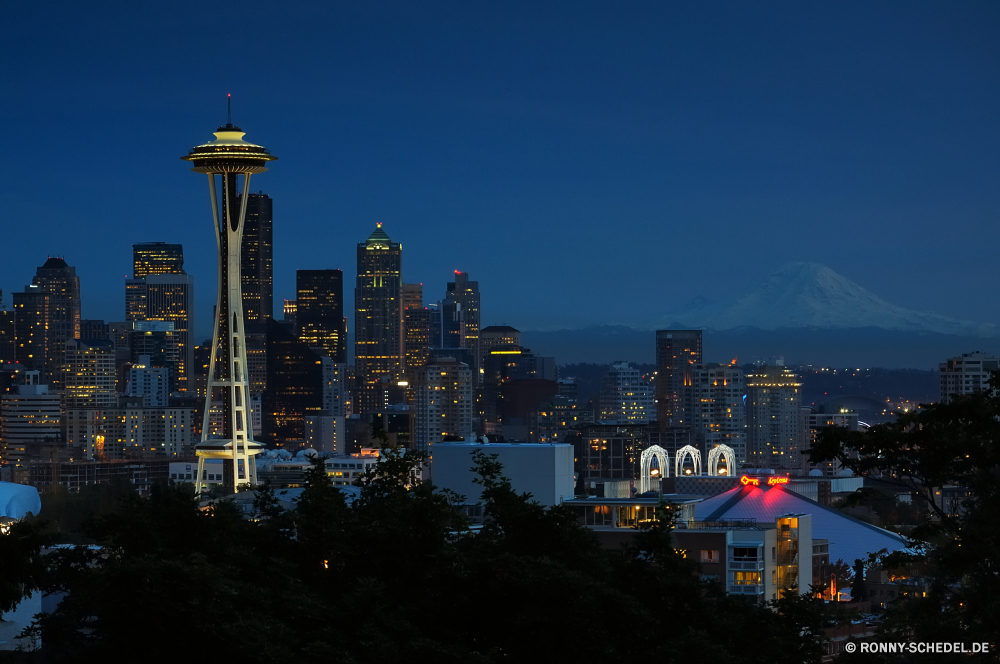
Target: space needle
point(224, 160)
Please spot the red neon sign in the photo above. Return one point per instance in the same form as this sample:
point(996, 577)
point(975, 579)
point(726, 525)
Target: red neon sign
point(746, 480)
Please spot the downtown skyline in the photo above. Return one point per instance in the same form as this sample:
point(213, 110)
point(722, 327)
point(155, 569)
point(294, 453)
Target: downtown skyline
point(863, 141)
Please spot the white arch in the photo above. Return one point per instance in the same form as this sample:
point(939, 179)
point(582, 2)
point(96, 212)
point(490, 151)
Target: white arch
point(724, 452)
point(646, 463)
point(679, 460)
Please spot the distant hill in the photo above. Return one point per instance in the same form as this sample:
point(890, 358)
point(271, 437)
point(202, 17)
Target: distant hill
point(865, 347)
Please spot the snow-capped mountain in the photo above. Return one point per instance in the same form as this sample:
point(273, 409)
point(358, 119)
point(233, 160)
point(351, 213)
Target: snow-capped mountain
point(810, 295)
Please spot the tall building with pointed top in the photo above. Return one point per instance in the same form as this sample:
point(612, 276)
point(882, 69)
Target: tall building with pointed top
point(378, 320)
point(257, 259)
point(46, 328)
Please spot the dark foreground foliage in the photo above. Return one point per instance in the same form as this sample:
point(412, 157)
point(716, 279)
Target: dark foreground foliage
point(940, 449)
point(394, 577)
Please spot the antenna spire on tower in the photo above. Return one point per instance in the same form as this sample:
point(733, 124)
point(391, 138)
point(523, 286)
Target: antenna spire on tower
point(229, 108)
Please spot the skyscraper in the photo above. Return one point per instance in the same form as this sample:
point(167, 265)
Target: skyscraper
point(466, 294)
point(295, 386)
point(320, 311)
point(156, 258)
point(89, 374)
point(378, 320)
point(774, 424)
point(256, 259)
point(967, 374)
point(224, 160)
point(717, 412)
point(444, 402)
point(625, 396)
point(167, 297)
point(61, 282)
point(677, 351)
point(416, 330)
point(31, 331)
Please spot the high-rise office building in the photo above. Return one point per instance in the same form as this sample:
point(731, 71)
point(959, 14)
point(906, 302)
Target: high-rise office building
point(625, 396)
point(320, 322)
point(716, 409)
point(167, 297)
point(466, 294)
point(150, 383)
point(256, 259)
point(94, 329)
point(7, 343)
point(156, 258)
point(444, 402)
point(61, 282)
point(89, 374)
point(967, 374)
point(295, 387)
point(31, 414)
point(378, 319)
point(677, 351)
point(413, 296)
point(31, 332)
point(774, 423)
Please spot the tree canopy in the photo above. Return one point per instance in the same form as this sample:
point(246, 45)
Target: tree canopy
point(398, 575)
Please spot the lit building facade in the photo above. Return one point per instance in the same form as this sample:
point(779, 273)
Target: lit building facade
point(257, 258)
point(626, 396)
point(717, 411)
point(465, 293)
point(150, 383)
point(28, 415)
point(167, 297)
point(378, 319)
point(61, 282)
point(156, 258)
point(294, 387)
point(89, 374)
point(677, 351)
point(444, 402)
point(967, 374)
point(31, 334)
point(319, 316)
point(774, 424)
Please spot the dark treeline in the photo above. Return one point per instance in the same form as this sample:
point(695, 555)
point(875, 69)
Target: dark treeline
point(395, 576)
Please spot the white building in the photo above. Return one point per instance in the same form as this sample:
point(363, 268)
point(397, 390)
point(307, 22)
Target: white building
point(626, 396)
point(444, 402)
point(150, 383)
point(544, 471)
point(183, 471)
point(326, 433)
point(345, 469)
point(334, 399)
point(32, 414)
point(967, 374)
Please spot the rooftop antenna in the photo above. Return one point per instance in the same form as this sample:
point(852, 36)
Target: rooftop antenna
point(229, 109)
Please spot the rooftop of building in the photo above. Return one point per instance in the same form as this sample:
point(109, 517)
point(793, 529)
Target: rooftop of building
point(379, 239)
point(54, 263)
point(499, 328)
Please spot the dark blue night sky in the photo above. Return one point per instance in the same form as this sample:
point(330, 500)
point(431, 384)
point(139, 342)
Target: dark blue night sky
point(587, 163)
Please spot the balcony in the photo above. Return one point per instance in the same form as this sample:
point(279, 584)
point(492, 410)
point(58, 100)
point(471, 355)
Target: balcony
point(751, 565)
point(746, 590)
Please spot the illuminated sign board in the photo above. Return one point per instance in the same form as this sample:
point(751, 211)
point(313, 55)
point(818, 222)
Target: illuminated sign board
point(755, 481)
